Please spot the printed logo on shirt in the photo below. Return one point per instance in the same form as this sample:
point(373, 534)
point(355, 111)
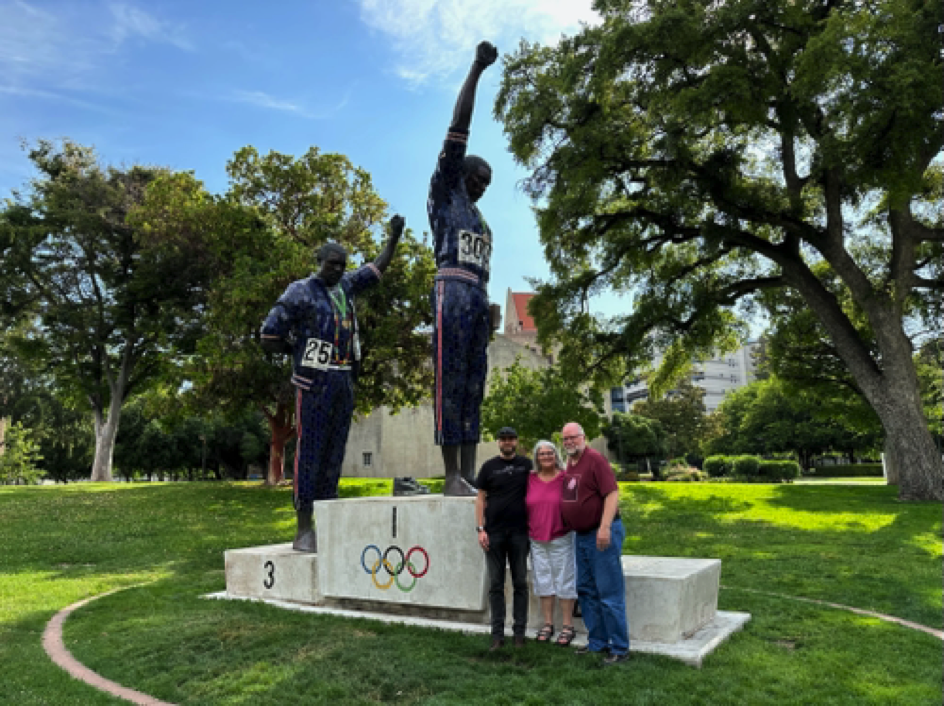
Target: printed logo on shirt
point(510, 468)
point(571, 486)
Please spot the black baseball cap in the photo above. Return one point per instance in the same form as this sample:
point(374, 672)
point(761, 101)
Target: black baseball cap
point(508, 433)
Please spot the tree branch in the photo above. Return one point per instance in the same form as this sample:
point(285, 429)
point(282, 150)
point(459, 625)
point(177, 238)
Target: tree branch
point(737, 290)
point(926, 283)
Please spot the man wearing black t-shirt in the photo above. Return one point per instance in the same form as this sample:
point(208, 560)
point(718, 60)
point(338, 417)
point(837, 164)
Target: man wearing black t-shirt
point(502, 519)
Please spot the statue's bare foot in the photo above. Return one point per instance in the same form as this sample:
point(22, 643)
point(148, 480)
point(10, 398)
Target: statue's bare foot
point(457, 487)
point(306, 541)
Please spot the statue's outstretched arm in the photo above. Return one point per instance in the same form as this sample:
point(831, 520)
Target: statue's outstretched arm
point(485, 56)
point(395, 229)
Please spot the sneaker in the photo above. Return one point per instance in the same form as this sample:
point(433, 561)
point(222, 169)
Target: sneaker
point(615, 659)
point(585, 650)
point(408, 486)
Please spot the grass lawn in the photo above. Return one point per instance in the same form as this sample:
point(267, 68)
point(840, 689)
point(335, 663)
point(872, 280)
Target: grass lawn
point(854, 545)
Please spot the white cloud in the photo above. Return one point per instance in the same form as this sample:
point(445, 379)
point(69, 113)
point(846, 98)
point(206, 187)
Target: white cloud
point(131, 21)
point(264, 100)
point(52, 96)
point(261, 99)
point(436, 37)
point(66, 47)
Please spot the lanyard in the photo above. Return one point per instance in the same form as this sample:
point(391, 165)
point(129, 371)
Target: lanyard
point(340, 314)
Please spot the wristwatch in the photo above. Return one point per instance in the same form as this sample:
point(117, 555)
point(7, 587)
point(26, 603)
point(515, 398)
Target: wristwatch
point(480, 528)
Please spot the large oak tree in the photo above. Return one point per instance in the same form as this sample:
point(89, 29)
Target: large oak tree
point(697, 153)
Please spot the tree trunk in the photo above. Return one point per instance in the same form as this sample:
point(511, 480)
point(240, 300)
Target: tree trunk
point(914, 459)
point(282, 430)
point(106, 430)
point(3, 434)
point(105, 433)
point(888, 466)
point(889, 382)
point(909, 446)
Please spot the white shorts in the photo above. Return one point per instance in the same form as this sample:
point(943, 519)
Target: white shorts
point(554, 567)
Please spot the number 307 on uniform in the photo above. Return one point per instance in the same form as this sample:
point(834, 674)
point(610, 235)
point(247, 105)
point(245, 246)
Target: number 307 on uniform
point(475, 248)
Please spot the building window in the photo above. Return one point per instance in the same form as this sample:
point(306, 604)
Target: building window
point(368, 459)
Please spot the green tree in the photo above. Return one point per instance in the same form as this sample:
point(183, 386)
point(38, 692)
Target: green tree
point(633, 437)
point(160, 437)
point(771, 417)
point(682, 415)
point(108, 304)
point(800, 354)
point(696, 153)
point(19, 454)
point(260, 236)
point(538, 403)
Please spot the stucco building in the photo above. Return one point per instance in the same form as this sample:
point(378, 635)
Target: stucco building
point(717, 376)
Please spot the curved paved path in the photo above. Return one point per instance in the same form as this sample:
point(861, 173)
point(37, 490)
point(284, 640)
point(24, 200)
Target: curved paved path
point(56, 649)
point(939, 634)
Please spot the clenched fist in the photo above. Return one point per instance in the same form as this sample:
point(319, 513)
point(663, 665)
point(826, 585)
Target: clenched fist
point(485, 54)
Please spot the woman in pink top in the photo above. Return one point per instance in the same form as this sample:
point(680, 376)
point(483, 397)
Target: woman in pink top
point(552, 546)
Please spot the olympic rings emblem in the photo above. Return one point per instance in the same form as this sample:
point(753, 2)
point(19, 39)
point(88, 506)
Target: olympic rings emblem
point(394, 571)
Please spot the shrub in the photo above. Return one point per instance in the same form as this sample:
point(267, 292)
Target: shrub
point(789, 470)
point(769, 469)
point(717, 466)
point(746, 466)
point(776, 471)
point(686, 475)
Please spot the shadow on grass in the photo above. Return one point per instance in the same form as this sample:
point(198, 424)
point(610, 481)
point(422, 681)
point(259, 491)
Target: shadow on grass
point(873, 552)
point(164, 639)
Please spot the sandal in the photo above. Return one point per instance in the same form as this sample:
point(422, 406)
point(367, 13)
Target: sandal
point(567, 635)
point(545, 633)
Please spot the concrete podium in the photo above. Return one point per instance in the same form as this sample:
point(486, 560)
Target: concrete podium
point(416, 560)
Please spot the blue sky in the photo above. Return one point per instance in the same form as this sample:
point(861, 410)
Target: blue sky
point(186, 84)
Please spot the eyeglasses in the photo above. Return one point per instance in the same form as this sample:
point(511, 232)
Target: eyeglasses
point(573, 438)
point(546, 453)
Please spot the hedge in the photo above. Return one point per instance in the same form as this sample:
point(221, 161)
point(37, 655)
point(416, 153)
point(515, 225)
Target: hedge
point(848, 470)
point(748, 469)
point(779, 470)
point(747, 466)
point(717, 466)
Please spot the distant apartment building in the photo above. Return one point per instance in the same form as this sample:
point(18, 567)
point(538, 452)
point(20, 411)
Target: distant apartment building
point(717, 376)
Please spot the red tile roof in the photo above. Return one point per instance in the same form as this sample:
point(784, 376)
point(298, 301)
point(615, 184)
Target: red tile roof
point(521, 300)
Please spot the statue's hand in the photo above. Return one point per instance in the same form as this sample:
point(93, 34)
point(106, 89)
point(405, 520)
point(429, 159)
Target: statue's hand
point(485, 54)
point(396, 226)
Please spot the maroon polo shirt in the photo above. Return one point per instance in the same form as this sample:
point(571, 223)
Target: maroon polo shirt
point(586, 484)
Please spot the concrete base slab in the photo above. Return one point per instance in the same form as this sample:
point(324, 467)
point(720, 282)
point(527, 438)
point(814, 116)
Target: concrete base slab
point(415, 560)
point(691, 651)
point(418, 550)
point(272, 571)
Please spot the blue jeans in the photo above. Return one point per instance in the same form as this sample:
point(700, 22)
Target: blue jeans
point(601, 591)
point(511, 546)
